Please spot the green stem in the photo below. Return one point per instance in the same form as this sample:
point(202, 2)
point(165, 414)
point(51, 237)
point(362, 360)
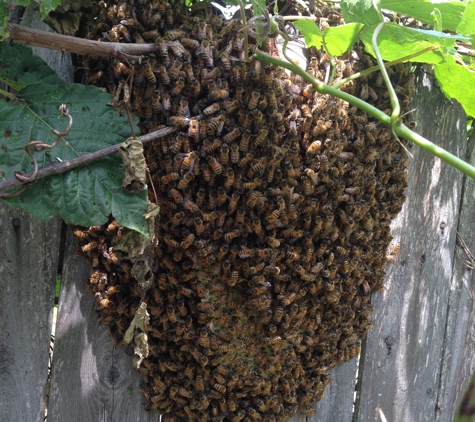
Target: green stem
point(386, 65)
point(332, 60)
point(398, 128)
point(420, 141)
point(7, 94)
point(392, 94)
point(244, 26)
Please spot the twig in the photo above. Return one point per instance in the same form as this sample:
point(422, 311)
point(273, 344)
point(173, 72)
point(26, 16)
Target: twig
point(76, 45)
point(470, 262)
point(56, 167)
point(40, 146)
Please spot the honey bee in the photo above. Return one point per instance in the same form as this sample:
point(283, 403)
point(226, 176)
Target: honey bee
point(213, 108)
point(245, 160)
point(255, 95)
point(174, 71)
point(260, 137)
point(239, 41)
point(162, 46)
point(244, 144)
point(180, 83)
point(178, 121)
point(164, 77)
point(238, 92)
point(214, 164)
point(233, 203)
point(216, 124)
point(395, 249)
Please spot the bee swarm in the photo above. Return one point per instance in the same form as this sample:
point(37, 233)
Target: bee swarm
point(274, 221)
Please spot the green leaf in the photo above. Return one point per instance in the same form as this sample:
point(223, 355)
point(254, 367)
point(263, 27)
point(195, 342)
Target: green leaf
point(422, 11)
point(89, 194)
point(457, 81)
point(3, 20)
point(467, 23)
point(47, 6)
point(362, 11)
point(19, 67)
point(437, 19)
point(311, 32)
point(340, 39)
point(395, 42)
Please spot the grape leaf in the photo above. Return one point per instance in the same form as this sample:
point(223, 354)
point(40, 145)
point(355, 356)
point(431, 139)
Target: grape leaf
point(47, 6)
point(367, 12)
point(395, 42)
point(467, 23)
point(422, 11)
point(89, 194)
point(20, 67)
point(311, 32)
point(457, 81)
point(340, 39)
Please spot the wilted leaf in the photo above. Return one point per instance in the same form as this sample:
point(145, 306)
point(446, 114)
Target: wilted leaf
point(133, 244)
point(87, 195)
point(136, 332)
point(131, 152)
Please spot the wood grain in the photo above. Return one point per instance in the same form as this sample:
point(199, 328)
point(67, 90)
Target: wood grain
point(404, 353)
point(59, 61)
point(91, 380)
point(28, 267)
point(459, 351)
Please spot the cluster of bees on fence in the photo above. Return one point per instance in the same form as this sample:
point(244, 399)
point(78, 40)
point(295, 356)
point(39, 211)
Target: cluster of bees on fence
point(274, 221)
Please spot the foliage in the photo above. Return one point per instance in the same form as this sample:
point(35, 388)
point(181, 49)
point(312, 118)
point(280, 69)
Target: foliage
point(33, 113)
point(6, 7)
point(397, 41)
point(466, 410)
point(84, 196)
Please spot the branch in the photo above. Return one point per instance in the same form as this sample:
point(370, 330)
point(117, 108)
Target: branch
point(56, 167)
point(76, 45)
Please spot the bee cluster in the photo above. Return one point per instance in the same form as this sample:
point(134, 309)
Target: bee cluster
point(274, 222)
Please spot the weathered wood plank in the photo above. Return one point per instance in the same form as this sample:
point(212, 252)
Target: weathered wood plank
point(337, 403)
point(91, 381)
point(28, 267)
point(59, 61)
point(459, 352)
point(401, 368)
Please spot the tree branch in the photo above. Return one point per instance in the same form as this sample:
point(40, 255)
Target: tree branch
point(76, 45)
point(56, 167)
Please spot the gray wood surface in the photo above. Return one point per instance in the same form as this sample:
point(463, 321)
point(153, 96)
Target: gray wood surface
point(404, 357)
point(28, 267)
point(337, 402)
point(459, 352)
point(416, 362)
point(91, 381)
point(60, 62)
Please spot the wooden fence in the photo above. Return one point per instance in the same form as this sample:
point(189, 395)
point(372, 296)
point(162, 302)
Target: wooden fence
point(416, 361)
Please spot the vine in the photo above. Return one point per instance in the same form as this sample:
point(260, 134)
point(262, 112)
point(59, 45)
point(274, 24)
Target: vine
point(448, 47)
